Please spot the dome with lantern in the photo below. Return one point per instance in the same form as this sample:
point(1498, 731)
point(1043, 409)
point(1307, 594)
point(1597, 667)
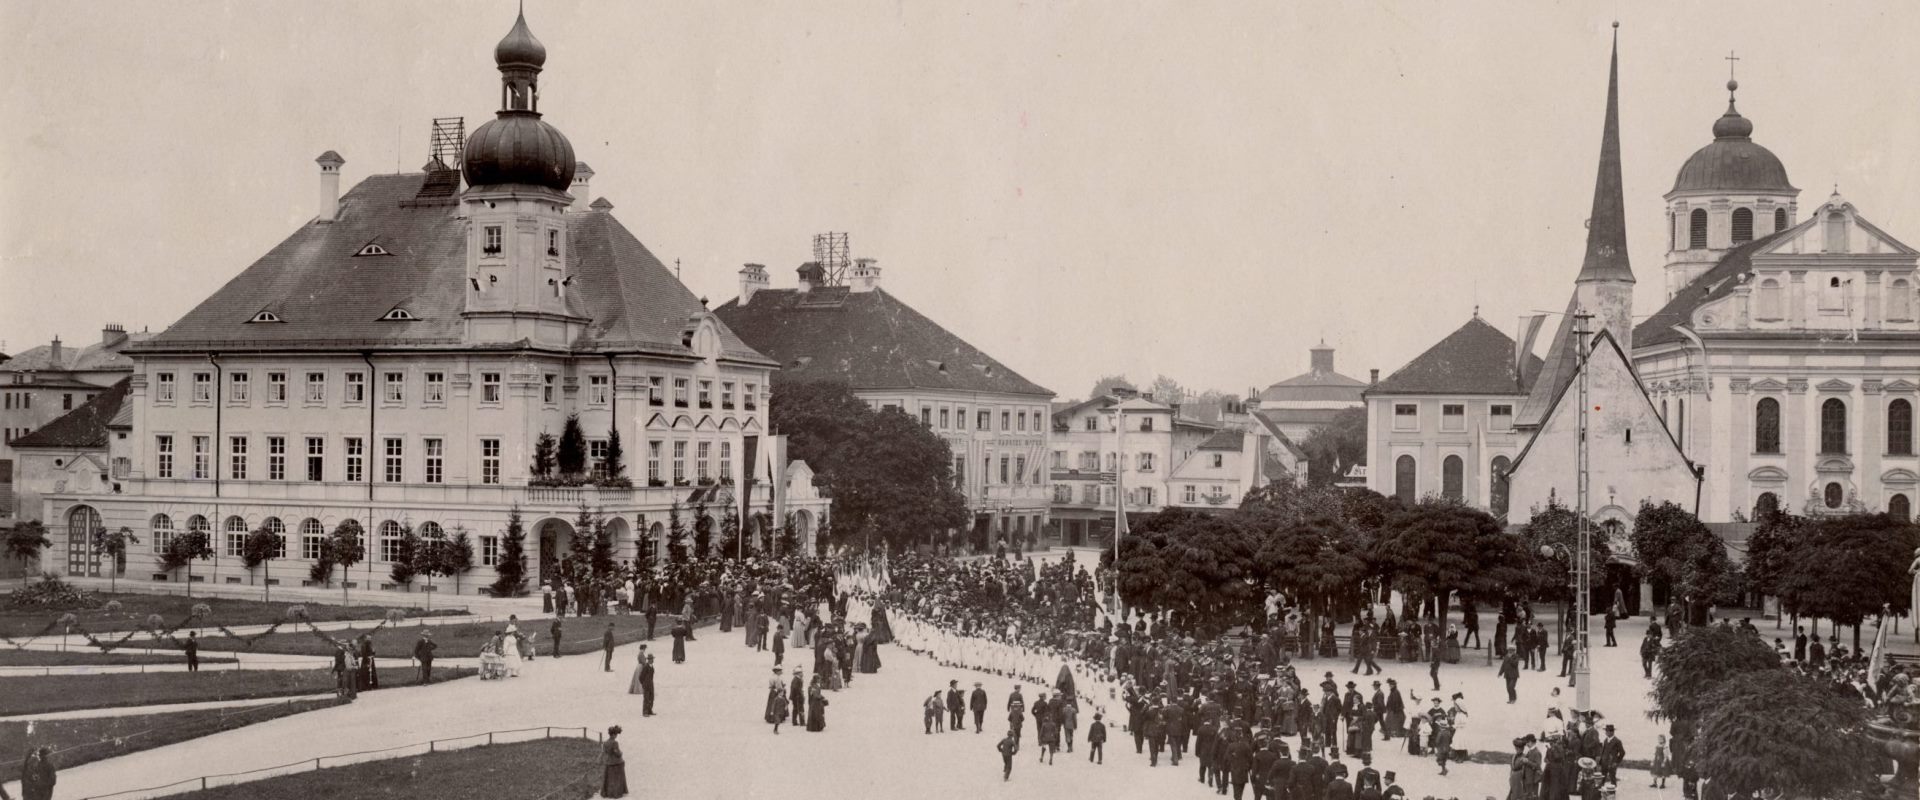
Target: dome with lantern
point(1733, 162)
point(517, 147)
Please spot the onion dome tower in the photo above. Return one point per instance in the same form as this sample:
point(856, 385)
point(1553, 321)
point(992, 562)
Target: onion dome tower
point(1728, 193)
point(518, 169)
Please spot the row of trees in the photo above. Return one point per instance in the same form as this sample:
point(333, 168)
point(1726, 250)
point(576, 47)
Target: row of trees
point(564, 461)
point(1844, 568)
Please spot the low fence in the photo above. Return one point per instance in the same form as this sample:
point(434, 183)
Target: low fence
point(345, 759)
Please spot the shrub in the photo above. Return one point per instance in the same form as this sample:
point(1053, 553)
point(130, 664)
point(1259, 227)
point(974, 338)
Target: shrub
point(50, 593)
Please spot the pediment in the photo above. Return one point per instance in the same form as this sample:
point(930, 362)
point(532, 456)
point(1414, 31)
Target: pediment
point(1902, 385)
point(706, 423)
point(683, 423)
point(659, 420)
point(1900, 476)
point(751, 425)
point(729, 424)
point(1768, 475)
point(1810, 236)
point(1767, 385)
point(1834, 464)
point(1835, 385)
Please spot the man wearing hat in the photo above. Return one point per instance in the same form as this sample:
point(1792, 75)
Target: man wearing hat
point(1096, 740)
point(423, 653)
point(796, 695)
point(978, 703)
point(1612, 752)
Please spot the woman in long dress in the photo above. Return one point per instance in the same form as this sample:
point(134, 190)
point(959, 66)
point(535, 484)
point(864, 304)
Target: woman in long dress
point(833, 670)
point(510, 647)
point(816, 709)
point(726, 612)
point(681, 633)
point(869, 653)
point(640, 663)
point(614, 782)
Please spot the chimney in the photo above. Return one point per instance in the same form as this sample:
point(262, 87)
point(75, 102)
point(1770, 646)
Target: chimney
point(112, 335)
point(581, 175)
point(1322, 358)
point(753, 278)
point(865, 275)
point(1373, 377)
point(329, 185)
point(59, 354)
point(811, 275)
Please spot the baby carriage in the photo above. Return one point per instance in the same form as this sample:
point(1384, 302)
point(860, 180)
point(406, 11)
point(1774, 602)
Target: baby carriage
point(493, 666)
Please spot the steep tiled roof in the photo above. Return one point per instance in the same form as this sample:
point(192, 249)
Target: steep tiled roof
point(327, 297)
point(92, 358)
point(871, 340)
point(1230, 439)
point(1476, 359)
point(86, 426)
point(1713, 284)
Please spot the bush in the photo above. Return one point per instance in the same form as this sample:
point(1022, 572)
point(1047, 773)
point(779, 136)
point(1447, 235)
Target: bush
point(50, 594)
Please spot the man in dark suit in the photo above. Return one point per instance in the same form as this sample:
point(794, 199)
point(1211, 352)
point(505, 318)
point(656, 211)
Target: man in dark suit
point(1174, 719)
point(1510, 672)
point(193, 651)
point(956, 707)
point(369, 671)
point(646, 687)
point(797, 696)
point(606, 649)
point(978, 702)
point(1156, 733)
point(1799, 643)
point(1610, 620)
point(1612, 752)
point(423, 653)
point(554, 631)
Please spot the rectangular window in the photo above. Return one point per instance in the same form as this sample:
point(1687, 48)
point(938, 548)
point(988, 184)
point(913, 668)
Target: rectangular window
point(654, 391)
point(239, 388)
point(926, 416)
point(1090, 461)
point(679, 462)
point(1062, 493)
point(1020, 469)
point(1146, 424)
point(490, 240)
point(237, 457)
point(436, 454)
point(1453, 417)
point(1090, 494)
point(653, 462)
point(1189, 494)
point(316, 458)
point(316, 387)
point(985, 421)
point(203, 387)
point(680, 392)
point(1146, 462)
point(703, 449)
point(1006, 469)
point(1021, 422)
point(163, 453)
point(726, 460)
point(1146, 495)
point(706, 394)
point(490, 461)
point(1406, 416)
point(395, 386)
point(356, 388)
point(276, 458)
point(1092, 424)
point(396, 450)
point(1006, 421)
point(547, 383)
point(751, 397)
point(946, 418)
point(960, 471)
point(1500, 416)
point(597, 457)
point(1059, 459)
point(356, 459)
point(489, 551)
point(162, 388)
point(490, 388)
point(436, 393)
point(66, 402)
point(202, 457)
point(598, 387)
point(236, 543)
point(726, 395)
point(553, 242)
point(1219, 460)
point(277, 388)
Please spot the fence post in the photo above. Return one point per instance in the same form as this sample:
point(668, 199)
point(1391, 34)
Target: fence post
point(549, 733)
point(432, 746)
point(489, 737)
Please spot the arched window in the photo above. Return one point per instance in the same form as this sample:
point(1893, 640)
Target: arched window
point(1766, 426)
point(1403, 479)
point(1900, 507)
point(1836, 233)
point(1835, 495)
point(198, 524)
point(1742, 225)
point(1497, 498)
point(275, 526)
point(431, 530)
point(1900, 428)
point(1779, 219)
point(1899, 300)
point(1833, 427)
point(236, 528)
point(657, 537)
point(162, 527)
point(1452, 476)
point(1697, 230)
point(1765, 505)
point(1767, 301)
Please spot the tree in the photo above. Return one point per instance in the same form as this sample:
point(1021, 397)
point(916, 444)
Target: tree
point(643, 552)
point(1167, 390)
point(1334, 448)
point(1757, 736)
point(1699, 658)
point(1681, 553)
point(1199, 567)
point(732, 543)
point(543, 456)
point(260, 547)
point(406, 553)
point(702, 530)
point(1437, 547)
point(1771, 550)
point(885, 470)
point(1552, 539)
point(676, 535)
point(572, 457)
point(185, 548)
point(1849, 567)
point(26, 539)
point(578, 565)
point(429, 558)
point(1314, 543)
point(1106, 384)
point(602, 555)
point(456, 558)
point(511, 572)
point(346, 546)
point(113, 545)
point(614, 466)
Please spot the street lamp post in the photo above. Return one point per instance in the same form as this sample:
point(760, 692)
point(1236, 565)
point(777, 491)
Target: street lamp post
point(1583, 576)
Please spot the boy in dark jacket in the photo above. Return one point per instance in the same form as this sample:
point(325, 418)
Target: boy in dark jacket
point(1097, 741)
point(1008, 747)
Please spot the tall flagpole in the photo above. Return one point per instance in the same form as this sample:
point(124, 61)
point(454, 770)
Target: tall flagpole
point(1582, 664)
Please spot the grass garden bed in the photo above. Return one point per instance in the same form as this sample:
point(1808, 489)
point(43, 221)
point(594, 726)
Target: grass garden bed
point(10, 657)
point(42, 694)
point(579, 635)
point(539, 768)
point(81, 741)
point(135, 608)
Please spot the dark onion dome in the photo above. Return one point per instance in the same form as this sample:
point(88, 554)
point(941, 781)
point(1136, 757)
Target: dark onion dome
point(519, 47)
point(517, 147)
point(1733, 162)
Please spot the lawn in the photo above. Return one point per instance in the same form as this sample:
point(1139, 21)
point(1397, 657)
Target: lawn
point(79, 741)
point(40, 694)
point(579, 635)
point(542, 768)
point(10, 657)
point(134, 609)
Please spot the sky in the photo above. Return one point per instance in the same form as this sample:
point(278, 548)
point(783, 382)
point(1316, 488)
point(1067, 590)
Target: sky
point(1198, 189)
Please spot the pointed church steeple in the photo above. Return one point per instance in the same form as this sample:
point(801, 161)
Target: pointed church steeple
point(1606, 258)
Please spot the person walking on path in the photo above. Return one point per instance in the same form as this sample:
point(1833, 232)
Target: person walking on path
point(1649, 653)
point(639, 665)
point(1510, 672)
point(977, 702)
point(1016, 712)
point(652, 614)
point(1008, 747)
point(930, 711)
point(613, 781)
point(369, 673)
point(423, 655)
point(37, 774)
point(1662, 764)
point(682, 633)
point(1097, 740)
point(780, 644)
point(1470, 623)
point(554, 631)
point(816, 708)
point(193, 651)
point(956, 708)
point(1611, 618)
point(1433, 666)
point(646, 686)
point(606, 649)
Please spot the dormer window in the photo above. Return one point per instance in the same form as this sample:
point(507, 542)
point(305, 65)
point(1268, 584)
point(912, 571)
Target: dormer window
point(490, 240)
point(372, 250)
point(266, 316)
point(399, 315)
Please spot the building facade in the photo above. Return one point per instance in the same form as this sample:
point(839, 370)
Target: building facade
point(1299, 404)
point(44, 383)
point(396, 359)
